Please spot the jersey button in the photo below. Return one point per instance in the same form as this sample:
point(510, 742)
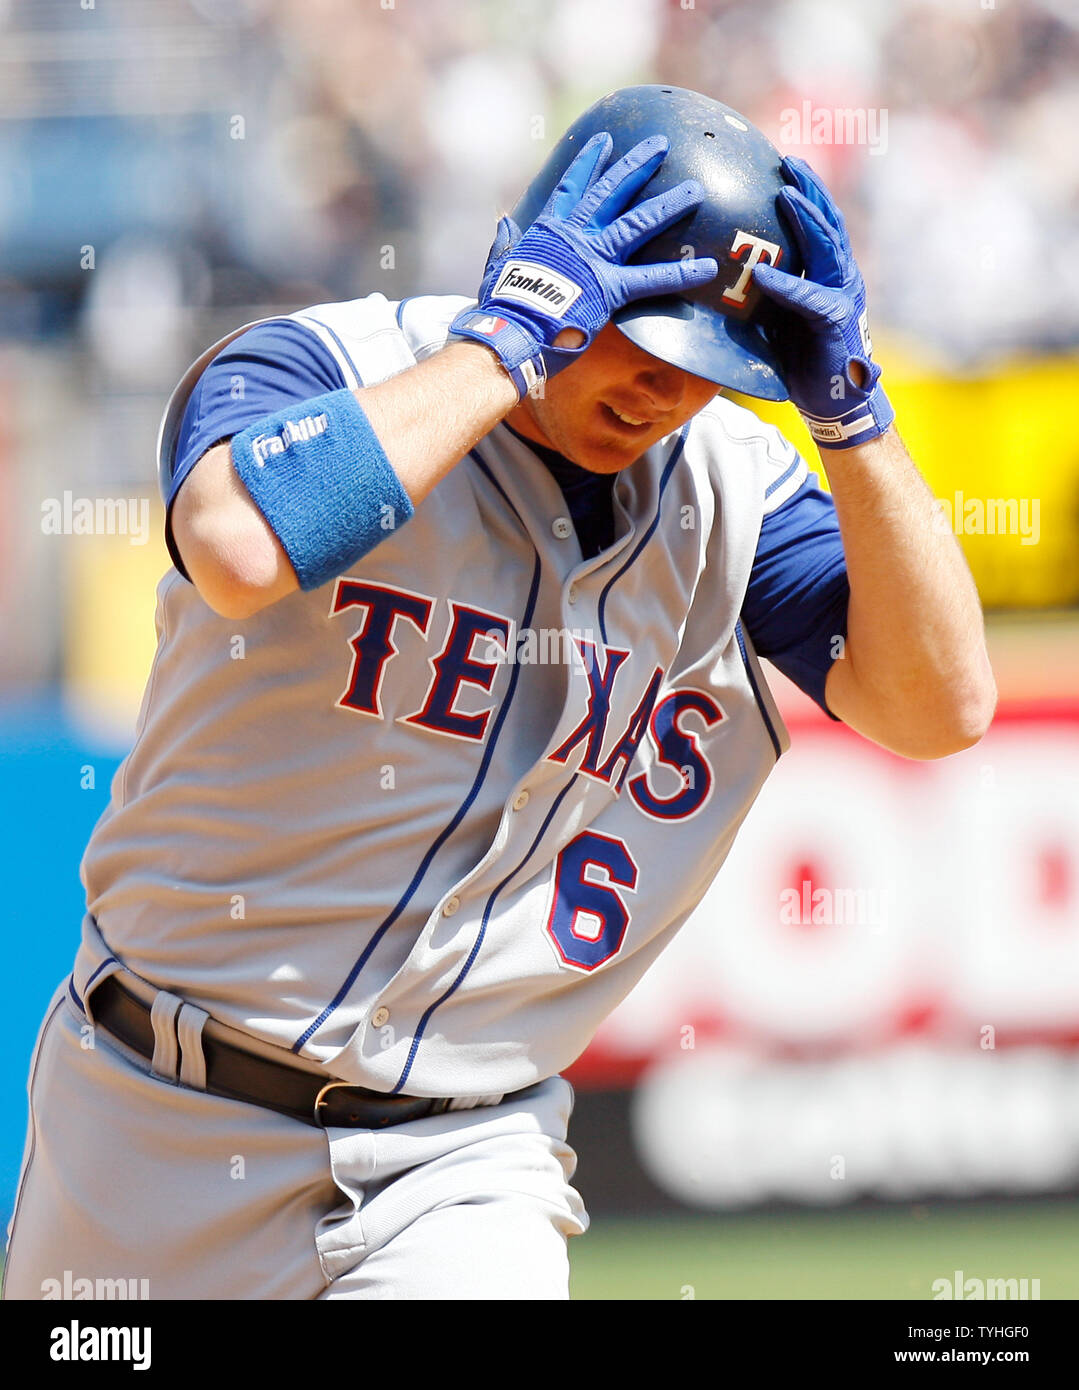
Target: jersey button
point(562, 527)
point(450, 906)
point(572, 595)
point(520, 801)
point(380, 1018)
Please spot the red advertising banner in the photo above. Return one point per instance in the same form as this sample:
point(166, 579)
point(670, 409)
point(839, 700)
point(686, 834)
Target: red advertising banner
point(880, 992)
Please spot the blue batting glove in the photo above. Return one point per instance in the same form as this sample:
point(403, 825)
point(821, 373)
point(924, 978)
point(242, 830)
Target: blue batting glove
point(506, 237)
point(568, 269)
point(825, 328)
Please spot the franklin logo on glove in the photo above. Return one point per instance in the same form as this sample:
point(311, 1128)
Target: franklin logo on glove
point(535, 284)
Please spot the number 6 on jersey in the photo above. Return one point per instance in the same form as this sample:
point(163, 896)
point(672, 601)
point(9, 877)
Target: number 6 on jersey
point(589, 916)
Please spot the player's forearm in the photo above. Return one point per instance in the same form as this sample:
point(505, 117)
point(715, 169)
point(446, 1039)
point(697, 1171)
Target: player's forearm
point(915, 674)
point(426, 419)
point(429, 417)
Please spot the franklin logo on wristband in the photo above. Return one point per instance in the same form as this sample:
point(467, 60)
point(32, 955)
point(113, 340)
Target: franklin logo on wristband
point(294, 432)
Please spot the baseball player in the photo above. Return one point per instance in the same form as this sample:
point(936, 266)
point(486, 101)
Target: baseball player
point(455, 712)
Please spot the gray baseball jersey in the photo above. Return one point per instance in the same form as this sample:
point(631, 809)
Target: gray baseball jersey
point(428, 824)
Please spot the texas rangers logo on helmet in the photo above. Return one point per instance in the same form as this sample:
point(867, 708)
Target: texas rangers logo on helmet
point(759, 249)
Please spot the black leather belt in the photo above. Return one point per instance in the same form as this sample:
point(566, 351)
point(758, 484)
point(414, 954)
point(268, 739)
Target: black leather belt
point(240, 1075)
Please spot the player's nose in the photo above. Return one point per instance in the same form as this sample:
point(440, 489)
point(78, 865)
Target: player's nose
point(661, 384)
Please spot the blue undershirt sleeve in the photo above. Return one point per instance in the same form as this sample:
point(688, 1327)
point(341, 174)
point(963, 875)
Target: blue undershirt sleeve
point(271, 366)
point(795, 608)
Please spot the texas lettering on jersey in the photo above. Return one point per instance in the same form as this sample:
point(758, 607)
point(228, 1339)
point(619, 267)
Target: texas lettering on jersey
point(474, 648)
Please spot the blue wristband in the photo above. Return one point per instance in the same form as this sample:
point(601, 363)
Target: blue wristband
point(858, 426)
point(318, 474)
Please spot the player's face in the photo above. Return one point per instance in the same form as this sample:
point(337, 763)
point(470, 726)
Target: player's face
point(578, 415)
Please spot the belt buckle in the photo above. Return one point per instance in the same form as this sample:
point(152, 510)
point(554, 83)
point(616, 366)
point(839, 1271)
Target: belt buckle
point(320, 1098)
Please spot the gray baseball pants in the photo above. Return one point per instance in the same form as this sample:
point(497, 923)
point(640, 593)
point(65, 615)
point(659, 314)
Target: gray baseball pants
point(148, 1179)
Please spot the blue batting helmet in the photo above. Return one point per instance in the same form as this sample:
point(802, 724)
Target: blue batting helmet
point(718, 330)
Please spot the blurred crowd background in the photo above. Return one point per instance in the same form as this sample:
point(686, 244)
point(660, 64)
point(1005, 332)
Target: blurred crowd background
point(169, 171)
point(362, 124)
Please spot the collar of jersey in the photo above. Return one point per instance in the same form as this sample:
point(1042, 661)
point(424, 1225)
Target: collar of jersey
point(567, 474)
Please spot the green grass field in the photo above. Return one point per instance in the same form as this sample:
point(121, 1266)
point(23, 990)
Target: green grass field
point(880, 1254)
point(892, 1253)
